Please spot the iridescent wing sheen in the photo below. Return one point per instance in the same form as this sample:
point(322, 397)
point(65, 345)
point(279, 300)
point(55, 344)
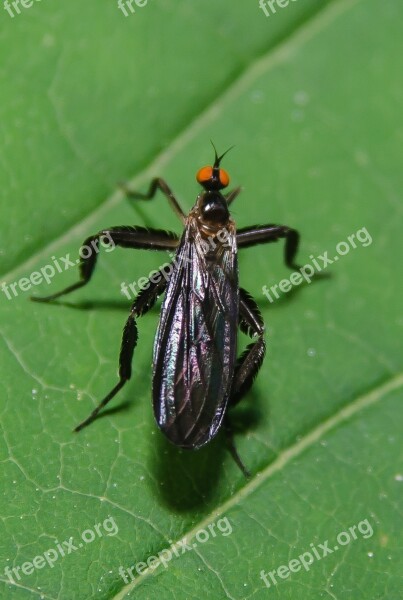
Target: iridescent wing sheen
point(195, 345)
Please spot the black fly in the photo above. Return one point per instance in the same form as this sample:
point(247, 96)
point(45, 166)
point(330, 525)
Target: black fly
point(196, 375)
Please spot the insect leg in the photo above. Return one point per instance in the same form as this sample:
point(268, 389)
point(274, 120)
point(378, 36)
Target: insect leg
point(229, 436)
point(157, 184)
point(143, 303)
point(126, 237)
point(248, 364)
point(262, 234)
point(230, 197)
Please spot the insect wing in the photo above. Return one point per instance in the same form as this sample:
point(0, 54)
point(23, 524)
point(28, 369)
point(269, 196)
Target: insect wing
point(195, 345)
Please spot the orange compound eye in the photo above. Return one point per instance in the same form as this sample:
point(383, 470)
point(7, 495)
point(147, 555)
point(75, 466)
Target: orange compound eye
point(224, 178)
point(204, 174)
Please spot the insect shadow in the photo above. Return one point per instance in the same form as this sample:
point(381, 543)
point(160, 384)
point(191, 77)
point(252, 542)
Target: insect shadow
point(187, 479)
point(107, 305)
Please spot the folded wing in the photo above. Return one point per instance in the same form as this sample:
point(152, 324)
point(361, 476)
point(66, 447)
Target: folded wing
point(195, 345)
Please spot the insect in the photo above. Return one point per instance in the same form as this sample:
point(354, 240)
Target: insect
point(197, 376)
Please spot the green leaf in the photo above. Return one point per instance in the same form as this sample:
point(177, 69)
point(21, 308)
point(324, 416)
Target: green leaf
point(311, 96)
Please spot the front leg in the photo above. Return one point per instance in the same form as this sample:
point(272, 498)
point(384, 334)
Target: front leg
point(157, 184)
point(230, 197)
point(263, 234)
point(126, 237)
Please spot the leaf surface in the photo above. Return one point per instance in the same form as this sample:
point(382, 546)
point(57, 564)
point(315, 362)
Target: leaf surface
point(312, 101)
